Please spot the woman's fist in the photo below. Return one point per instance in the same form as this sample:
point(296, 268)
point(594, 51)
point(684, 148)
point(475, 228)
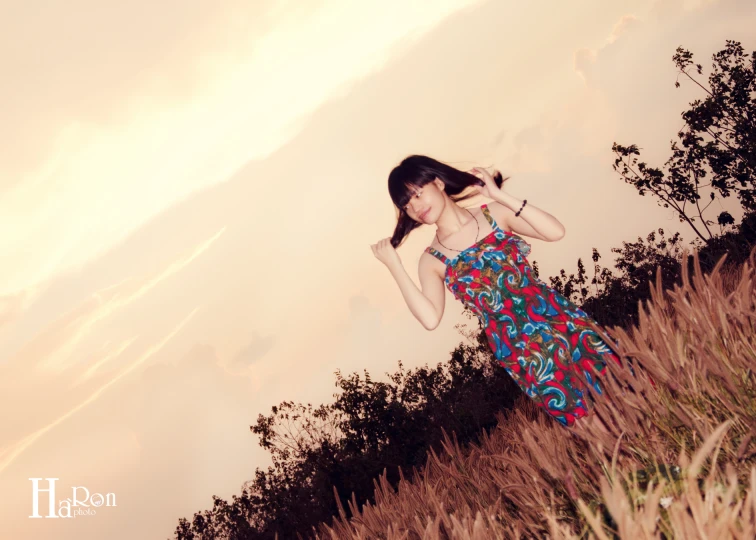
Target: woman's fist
point(385, 252)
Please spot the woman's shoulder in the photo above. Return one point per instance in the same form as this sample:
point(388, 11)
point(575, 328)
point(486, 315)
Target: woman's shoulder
point(431, 263)
point(500, 213)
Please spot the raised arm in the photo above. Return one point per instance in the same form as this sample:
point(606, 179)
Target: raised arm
point(432, 287)
point(427, 305)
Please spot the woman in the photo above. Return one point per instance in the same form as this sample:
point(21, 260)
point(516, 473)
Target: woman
point(542, 339)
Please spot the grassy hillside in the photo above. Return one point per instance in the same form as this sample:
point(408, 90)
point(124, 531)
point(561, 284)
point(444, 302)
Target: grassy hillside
point(678, 461)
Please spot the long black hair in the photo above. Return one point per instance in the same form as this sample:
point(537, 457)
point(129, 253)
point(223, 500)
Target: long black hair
point(420, 170)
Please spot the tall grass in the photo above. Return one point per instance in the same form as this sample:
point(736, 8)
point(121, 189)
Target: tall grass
point(676, 460)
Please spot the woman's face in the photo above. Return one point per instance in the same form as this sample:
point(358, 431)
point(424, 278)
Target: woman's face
point(426, 202)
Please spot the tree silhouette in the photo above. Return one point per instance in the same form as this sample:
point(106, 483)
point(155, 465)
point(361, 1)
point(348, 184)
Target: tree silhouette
point(718, 138)
point(372, 426)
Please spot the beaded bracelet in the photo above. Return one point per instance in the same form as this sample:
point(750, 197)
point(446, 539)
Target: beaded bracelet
point(523, 206)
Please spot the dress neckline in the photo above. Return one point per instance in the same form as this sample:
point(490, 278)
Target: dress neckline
point(457, 256)
point(495, 227)
point(450, 262)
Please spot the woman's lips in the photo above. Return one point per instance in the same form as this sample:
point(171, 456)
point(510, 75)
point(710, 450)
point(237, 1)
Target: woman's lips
point(422, 216)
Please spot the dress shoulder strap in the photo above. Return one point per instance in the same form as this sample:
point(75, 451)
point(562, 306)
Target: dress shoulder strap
point(489, 217)
point(437, 254)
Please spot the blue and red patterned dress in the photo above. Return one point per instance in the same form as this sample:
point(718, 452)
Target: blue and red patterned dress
point(539, 336)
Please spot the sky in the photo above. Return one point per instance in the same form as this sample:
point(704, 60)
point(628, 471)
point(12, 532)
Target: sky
point(190, 190)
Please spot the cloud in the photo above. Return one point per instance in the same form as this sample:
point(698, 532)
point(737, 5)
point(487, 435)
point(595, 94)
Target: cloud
point(44, 366)
point(85, 60)
point(110, 148)
point(10, 452)
point(12, 306)
point(531, 151)
point(253, 351)
point(176, 432)
point(52, 350)
point(623, 26)
point(585, 59)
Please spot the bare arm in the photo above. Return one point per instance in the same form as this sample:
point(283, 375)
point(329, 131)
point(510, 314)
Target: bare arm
point(531, 222)
point(427, 305)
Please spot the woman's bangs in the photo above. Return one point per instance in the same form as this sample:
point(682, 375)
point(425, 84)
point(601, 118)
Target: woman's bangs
point(403, 192)
point(408, 191)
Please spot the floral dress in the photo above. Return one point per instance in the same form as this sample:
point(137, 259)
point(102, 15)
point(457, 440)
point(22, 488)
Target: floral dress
point(538, 335)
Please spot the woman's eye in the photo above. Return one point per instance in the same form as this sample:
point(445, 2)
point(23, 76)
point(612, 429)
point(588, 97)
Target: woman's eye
point(416, 194)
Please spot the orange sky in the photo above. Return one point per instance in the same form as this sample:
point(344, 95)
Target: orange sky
point(192, 191)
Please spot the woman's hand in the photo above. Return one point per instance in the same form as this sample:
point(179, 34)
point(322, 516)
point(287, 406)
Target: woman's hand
point(489, 189)
point(385, 252)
